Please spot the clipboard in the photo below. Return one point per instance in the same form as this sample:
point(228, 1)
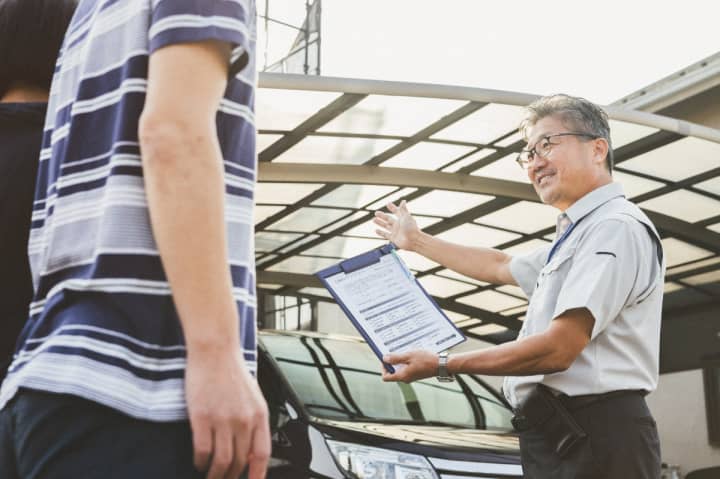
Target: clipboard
point(395, 323)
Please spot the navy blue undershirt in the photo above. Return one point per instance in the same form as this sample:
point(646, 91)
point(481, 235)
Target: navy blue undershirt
point(21, 126)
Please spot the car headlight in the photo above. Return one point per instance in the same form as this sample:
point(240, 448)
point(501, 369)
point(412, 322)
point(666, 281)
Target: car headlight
point(364, 462)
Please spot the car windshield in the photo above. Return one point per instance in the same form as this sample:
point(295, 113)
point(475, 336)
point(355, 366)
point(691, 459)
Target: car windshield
point(340, 379)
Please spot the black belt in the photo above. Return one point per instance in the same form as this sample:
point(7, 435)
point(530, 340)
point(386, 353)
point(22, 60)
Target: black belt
point(573, 403)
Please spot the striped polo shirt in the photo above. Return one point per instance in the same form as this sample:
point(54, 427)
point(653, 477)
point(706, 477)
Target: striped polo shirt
point(102, 324)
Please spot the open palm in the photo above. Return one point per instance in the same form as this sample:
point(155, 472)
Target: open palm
point(399, 228)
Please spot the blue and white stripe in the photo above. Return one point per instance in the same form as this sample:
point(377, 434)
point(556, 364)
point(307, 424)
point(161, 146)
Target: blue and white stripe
point(102, 324)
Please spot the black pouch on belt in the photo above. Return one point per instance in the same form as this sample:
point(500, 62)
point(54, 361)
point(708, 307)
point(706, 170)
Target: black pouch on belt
point(544, 411)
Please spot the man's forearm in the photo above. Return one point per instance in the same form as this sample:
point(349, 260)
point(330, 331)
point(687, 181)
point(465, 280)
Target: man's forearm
point(525, 357)
point(483, 264)
point(183, 173)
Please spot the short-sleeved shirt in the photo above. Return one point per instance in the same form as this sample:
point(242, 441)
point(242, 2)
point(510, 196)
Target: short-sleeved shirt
point(609, 262)
point(21, 126)
point(102, 324)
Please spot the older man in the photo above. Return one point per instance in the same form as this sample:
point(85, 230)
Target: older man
point(588, 351)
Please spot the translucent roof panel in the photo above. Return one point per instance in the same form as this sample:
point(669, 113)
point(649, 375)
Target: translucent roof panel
point(679, 252)
point(712, 185)
point(458, 165)
point(354, 196)
point(506, 168)
point(512, 290)
point(684, 205)
point(485, 125)
point(303, 264)
point(269, 286)
point(264, 212)
point(286, 109)
point(510, 140)
point(715, 227)
point(427, 156)
point(268, 241)
point(455, 317)
point(622, 133)
point(443, 287)
point(633, 185)
point(671, 287)
point(415, 261)
point(334, 150)
point(368, 229)
point(705, 278)
point(491, 301)
point(488, 329)
point(339, 224)
point(392, 115)
point(448, 273)
point(393, 197)
point(308, 219)
point(299, 243)
point(514, 311)
point(678, 160)
point(470, 234)
point(342, 247)
point(446, 203)
point(283, 193)
point(523, 216)
point(692, 266)
point(263, 141)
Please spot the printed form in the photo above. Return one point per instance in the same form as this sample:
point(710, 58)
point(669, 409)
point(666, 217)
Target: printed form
point(393, 310)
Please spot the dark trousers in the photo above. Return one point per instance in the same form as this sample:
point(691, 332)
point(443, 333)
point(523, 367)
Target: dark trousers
point(53, 436)
point(622, 443)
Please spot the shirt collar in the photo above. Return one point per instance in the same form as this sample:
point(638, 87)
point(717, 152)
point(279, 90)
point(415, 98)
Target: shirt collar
point(594, 199)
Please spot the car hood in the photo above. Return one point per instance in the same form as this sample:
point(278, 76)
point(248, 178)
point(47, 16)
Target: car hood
point(437, 437)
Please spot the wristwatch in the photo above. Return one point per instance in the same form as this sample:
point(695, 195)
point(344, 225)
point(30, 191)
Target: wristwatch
point(443, 375)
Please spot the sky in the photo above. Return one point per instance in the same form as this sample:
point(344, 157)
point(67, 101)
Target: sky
point(599, 50)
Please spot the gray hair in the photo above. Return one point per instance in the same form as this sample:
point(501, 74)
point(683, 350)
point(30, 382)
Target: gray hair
point(576, 113)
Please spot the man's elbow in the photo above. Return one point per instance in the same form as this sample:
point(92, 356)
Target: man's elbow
point(164, 141)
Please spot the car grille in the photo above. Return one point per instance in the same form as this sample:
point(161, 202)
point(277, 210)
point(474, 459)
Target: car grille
point(449, 469)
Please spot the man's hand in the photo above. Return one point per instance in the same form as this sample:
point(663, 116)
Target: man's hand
point(413, 365)
point(401, 229)
point(228, 416)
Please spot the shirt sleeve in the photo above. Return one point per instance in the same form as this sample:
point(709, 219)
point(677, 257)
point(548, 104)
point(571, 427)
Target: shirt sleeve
point(604, 271)
point(525, 268)
point(186, 21)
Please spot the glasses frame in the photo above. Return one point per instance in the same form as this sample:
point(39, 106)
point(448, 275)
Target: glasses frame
point(532, 152)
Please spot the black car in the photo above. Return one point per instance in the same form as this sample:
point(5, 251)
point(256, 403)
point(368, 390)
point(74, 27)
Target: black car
point(333, 417)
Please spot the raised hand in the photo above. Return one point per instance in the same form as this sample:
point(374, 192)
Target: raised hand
point(399, 228)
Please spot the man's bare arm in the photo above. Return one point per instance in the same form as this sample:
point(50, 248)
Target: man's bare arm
point(184, 180)
point(484, 264)
point(550, 352)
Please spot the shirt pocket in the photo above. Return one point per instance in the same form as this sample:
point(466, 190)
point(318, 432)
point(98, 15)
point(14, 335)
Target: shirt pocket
point(554, 273)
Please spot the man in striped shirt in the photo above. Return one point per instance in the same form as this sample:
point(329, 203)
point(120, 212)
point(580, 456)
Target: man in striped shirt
point(138, 356)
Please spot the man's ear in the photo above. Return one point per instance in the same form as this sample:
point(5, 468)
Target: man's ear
point(600, 150)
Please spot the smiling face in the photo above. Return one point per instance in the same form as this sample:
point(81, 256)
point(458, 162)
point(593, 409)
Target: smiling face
point(573, 168)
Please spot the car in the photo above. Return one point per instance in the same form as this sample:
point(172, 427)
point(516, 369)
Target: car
point(333, 417)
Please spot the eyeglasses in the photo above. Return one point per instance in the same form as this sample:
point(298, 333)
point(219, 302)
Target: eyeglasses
point(543, 148)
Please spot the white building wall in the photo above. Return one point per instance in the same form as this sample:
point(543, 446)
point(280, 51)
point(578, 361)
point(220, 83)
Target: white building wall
point(679, 409)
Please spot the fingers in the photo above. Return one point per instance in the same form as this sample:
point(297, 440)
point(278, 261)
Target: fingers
point(223, 452)
point(396, 358)
point(260, 452)
point(202, 444)
point(240, 446)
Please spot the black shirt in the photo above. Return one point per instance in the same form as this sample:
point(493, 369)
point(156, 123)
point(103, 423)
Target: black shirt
point(21, 126)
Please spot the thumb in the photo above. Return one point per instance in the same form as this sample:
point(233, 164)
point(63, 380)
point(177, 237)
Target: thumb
point(396, 358)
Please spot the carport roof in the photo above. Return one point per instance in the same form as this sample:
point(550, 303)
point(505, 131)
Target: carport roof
point(333, 150)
